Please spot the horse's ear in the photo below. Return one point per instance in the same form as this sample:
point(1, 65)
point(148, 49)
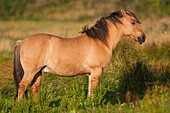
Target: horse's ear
point(123, 12)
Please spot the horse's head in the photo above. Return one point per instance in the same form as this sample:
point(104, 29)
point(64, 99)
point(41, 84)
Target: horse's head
point(130, 26)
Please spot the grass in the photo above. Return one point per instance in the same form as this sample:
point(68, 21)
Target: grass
point(136, 81)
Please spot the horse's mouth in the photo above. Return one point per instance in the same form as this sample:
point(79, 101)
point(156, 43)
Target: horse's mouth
point(141, 39)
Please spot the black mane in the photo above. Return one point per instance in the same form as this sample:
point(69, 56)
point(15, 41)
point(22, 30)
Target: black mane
point(100, 30)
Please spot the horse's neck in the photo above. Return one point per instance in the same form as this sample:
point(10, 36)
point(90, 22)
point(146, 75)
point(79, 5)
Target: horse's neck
point(114, 35)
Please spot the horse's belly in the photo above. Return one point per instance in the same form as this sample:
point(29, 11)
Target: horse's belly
point(66, 70)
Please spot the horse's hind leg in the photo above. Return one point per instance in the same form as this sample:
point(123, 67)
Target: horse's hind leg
point(35, 84)
point(27, 78)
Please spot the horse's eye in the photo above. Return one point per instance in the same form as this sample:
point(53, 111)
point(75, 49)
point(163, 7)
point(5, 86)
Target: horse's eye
point(133, 23)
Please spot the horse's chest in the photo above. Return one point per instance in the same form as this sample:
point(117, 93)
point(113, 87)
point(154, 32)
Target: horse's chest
point(100, 60)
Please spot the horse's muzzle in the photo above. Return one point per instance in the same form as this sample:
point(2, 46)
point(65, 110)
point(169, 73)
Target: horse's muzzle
point(141, 39)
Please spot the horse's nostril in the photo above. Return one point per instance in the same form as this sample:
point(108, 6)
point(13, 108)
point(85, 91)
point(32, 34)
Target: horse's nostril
point(141, 39)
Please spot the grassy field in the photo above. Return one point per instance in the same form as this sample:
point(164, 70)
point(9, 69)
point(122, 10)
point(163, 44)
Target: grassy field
point(137, 80)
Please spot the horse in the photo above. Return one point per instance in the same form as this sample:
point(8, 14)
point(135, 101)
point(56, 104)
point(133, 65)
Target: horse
point(89, 53)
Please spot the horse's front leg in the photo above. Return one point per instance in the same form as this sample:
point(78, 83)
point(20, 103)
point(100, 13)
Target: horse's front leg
point(93, 80)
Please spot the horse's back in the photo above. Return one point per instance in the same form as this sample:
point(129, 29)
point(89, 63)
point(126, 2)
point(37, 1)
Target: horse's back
point(39, 38)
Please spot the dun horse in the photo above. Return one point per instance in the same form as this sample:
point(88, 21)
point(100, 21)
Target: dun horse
point(88, 53)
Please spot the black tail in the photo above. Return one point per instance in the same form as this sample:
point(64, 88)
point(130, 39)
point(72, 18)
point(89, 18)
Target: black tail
point(18, 70)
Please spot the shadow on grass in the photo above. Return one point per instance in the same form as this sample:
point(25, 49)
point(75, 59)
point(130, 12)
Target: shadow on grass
point(135, 80)
point(55, 103)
